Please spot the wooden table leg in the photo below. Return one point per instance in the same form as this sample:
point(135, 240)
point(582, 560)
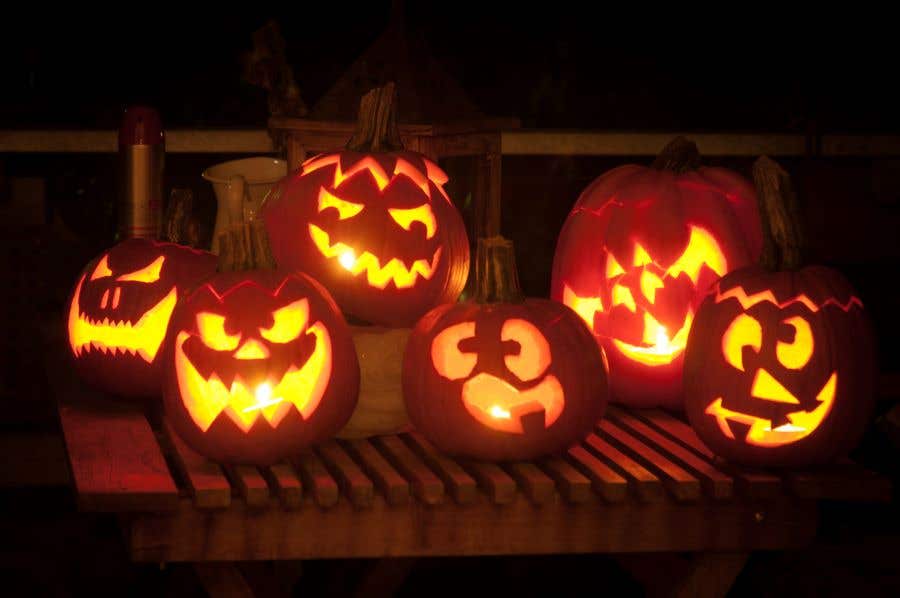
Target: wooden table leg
point(703, 575)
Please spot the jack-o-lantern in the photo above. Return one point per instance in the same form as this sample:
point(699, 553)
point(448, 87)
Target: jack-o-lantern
point(502, 378)
point(261, 366)
point(636, 255)
point(779, 367)
point(373, 224)
point(120, 310)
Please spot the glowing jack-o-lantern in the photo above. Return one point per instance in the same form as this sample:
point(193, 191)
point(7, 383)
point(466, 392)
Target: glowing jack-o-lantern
point(376, 228)
point(634, 260)
point(506, 379)
point(261, 366)
point(120, 310)
point(779, 367)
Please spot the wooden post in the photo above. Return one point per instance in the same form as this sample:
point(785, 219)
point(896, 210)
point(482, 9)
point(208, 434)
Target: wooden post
point(296, 152)
point(487, 195)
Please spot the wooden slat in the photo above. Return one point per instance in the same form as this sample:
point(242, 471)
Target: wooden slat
point(287, 485)
point(538, 487)
point(494, 481)
point(317, 479)
point(353, 482)
point(461, 485)
point(751, 482)
point(647, 487)
point(426, 486)
point(116, 461)
point(716, 484)
point(250, 484)
point(205, 479)
point(575, 487)
point(394, 487)
point(681, 484)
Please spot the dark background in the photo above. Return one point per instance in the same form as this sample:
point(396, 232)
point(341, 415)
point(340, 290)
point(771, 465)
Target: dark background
point(744, 67)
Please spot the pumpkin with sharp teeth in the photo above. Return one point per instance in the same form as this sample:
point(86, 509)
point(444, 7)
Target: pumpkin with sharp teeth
point(261, 366)
point(636, 255)
point(120, 309)
point(376, 227)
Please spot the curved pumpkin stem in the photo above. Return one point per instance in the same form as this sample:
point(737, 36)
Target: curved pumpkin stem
point(376, 125)
point(784, 240)
point(496, 276)
point(245, 247)
point(679, 156)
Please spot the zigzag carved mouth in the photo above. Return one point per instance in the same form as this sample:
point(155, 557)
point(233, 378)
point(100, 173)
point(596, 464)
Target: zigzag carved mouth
point(378, 276)
point(143, 337)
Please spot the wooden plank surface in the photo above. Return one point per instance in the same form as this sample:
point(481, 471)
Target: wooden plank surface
point(461, 485)
point(647, 487)
point(250, 484)
point(351, 479)
point(536, 484)
point(391, 484)
point(495, 482)
point(317, 479)
point(716, 484)
point(427, 487)
point(680, 483)
point(288, 485)
point(204, 478)
point(115, 460)
point(575, 487)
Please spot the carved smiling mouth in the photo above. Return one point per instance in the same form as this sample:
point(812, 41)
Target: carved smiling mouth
point(120, 336)
point(499, 405)
point(659, 348)
point(206, 398)
point(378, 276)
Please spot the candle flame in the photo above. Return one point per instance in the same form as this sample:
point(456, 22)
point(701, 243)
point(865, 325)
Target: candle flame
point(263, 398)
point(500, 413)
point(347, 259)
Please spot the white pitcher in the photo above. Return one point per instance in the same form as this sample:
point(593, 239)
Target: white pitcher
point(240, 187)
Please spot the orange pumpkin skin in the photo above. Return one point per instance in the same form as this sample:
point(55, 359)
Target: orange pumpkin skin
point(780, 368)
point(119, 313)
point(244, 330)
point(482, 348)
point(389, 213)
point(634, 259)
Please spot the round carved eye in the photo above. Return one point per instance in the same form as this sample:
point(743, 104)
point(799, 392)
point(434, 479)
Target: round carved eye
point(212, 332)
point(448, 360)
point(742, 332)
point(534, 350)
point(797, 353)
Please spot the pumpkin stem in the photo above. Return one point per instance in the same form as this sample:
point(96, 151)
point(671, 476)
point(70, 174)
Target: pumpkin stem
point(779, 213)
point(496, 276)
point(376, 125)
point(245, 247)
point(679, 156)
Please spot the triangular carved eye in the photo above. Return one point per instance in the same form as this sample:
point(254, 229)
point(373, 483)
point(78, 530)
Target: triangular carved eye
point(743, 331)
point(289, 322)
point(613, 268)
point(797, 353)
point(102, 270)
point(448, 360)
point(149, 273)
point(641, 257)
point(212, 332)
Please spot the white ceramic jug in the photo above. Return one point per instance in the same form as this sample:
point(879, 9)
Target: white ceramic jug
point(241, 186)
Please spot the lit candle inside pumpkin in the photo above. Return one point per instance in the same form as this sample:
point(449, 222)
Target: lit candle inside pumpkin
point(263, 398)
point(347, 259)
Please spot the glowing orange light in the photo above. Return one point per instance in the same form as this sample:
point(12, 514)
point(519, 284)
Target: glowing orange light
point(613, 268)
point(500, 406)
point(102, 270)
point(421, 180)
point(212, 332)
point(252, 349)
point(143, 337)
point(423, 214)
point(742, 332)
point(641, 257)
point(289, 322)
point(116, 295)
point(660, 350)
point(105, 299)
point(761, 433)
point(346, 209)
point(796, 354)
point(702, 249)
point(585, 307)
point(377, 275)
point(533, 358)
point(622, 296)
point(748, 301)
point(147, 274)
point(206, 399)
point(448, 360)
point(649, 283)
point(766, 387)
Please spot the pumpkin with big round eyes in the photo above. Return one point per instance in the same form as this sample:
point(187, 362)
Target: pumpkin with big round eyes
point(120, 309)
point(375, 226)
point(261, 367)
point(502, 378)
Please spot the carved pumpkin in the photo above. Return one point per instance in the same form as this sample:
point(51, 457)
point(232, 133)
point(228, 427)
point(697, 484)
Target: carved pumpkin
point(261, 366)
point(120, 310)
point(779, 367)
point(375, 227)
point(636, 255)
point(502, 378)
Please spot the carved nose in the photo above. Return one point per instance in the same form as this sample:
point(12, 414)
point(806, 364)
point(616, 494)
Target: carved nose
point(766, 387)
point(252, 349)
point(104, 301)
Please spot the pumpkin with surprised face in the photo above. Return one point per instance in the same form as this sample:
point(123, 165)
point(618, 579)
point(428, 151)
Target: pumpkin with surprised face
point(261, 366)
point(120, 311)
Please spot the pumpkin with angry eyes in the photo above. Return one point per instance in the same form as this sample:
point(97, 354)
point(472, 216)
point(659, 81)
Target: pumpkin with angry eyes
point(636, 255)
point(502, 378)
point(779, 368)
point(261, 366)
point(120, 310)
point(374, 225)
